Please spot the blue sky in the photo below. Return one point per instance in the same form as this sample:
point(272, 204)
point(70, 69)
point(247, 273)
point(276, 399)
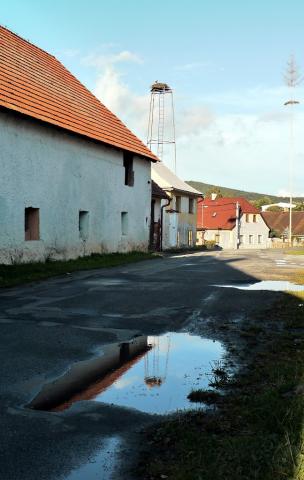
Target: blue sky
point(224, 60)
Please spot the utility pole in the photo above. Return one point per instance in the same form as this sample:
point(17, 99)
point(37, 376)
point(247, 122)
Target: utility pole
point(292, 80)
point(237, 213)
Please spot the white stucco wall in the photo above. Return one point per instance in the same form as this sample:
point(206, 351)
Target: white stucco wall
point(176, 225)
point(59, 173)
point(255, 229)
point(228, 238)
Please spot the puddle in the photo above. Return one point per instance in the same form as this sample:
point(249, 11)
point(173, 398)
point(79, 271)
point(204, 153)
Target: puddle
point(152, 374)
point(273, 285)
point(102, 465)
point(160, 381)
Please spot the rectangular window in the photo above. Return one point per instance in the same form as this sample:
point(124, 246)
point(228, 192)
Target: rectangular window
point(124, 223)
point(241, 239)
point(217, 238)
point(250, 239)
point(191, 205)
point(128, 166)
point(260, 238)
point(31, 224)
point(178, 239)
point(178, 202)
point(247, 217)
point(83, 224)
point(254, 218)
point(190, 238)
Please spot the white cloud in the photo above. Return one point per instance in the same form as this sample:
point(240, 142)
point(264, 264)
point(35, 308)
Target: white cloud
point(102, 60)
point(247, 149)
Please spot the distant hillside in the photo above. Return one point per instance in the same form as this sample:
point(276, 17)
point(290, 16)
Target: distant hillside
point(231, 192)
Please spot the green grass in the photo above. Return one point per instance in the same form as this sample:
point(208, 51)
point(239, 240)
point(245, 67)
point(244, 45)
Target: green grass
point(295, 252)
point(256, 433)
point(11, 275)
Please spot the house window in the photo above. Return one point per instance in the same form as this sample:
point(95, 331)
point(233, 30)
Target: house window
point(250, 239)
point(178, 202)
point(254, 219)
point(178, 239)
point(190, 238)
point(83, 224)
point(260, 238)
point(247, 217)
point(128, 166)
point(217, 238)
point(31, 224)
point(191, 205)
point(124, 223)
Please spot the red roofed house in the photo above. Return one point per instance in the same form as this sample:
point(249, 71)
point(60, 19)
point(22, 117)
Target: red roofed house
point(74, 179)
point(231, 223)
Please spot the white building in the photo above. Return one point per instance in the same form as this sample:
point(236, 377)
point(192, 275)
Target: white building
point(231, 223)
point(179, 216)
point(74, 180)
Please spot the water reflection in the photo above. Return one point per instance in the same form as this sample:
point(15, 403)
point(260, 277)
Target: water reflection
point(151, 374)
point(102, 465)
point(272, 285)
point(160, 381)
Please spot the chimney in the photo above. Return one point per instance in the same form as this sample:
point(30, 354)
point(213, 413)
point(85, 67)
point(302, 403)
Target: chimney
point(213, 196)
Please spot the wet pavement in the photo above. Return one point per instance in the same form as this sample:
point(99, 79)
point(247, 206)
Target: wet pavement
point(48, 327)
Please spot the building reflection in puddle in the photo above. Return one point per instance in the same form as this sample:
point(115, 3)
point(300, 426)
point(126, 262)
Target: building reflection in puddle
point(159, 378)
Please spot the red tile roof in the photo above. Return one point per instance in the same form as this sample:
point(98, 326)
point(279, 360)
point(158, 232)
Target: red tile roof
point(279, 222)
point(35, 83)
point(221, 212)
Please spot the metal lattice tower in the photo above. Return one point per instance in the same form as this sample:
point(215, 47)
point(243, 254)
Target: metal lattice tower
point(161, 126)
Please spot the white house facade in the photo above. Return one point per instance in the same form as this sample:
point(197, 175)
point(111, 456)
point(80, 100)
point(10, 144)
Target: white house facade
point(66, 191)
point(179, 216)
point(231, 223)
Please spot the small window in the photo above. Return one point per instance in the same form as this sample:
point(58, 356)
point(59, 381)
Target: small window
point(254, 218)
point(247, 217)
point(83, 224)
point(214, 214)
point(128, 166)
point(250, 239)
point(217, 238)
point(190, 238)
point(260, 238)
point(31, 224)
point(178, 239)
point(191, 205)
point(178, 202)
point(241, 239)
point(124, 223)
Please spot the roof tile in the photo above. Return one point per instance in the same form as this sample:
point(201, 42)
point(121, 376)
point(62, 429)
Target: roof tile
point(35, 83)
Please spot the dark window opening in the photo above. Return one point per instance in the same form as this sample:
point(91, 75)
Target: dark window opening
point(191, 205)
point(128, 166)
point(124, 223)
point(31, 223)
point(178, 202)
point(83, 224)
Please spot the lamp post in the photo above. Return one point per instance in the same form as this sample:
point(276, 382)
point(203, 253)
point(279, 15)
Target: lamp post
point(292, 79)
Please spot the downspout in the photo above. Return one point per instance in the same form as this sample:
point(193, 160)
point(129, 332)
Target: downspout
point(161, 222)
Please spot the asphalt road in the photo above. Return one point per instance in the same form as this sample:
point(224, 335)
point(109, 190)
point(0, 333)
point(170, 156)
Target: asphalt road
point(48, 326)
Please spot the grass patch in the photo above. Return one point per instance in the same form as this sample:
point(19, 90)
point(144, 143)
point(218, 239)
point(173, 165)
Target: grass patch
point(295, 252)
point(256, 432)
point(11, 275)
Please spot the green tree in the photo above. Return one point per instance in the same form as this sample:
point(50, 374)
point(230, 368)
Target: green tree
point(211, 190)
point(262, 201)
point(299, 207)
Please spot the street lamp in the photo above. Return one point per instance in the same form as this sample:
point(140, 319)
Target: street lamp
point(292, 79)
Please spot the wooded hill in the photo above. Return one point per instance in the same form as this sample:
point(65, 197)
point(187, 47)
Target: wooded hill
point(231, 192)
